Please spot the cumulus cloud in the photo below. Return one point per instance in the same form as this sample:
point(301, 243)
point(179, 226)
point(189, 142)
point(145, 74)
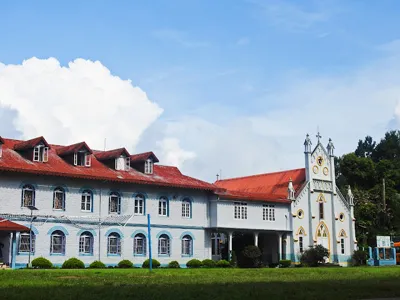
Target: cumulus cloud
point(172, 153)
point(80, 101)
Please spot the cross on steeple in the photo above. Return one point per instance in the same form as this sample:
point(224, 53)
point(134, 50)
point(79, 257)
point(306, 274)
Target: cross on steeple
point(318, 136)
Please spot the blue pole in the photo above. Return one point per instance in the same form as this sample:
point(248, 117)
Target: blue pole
point(149, 239)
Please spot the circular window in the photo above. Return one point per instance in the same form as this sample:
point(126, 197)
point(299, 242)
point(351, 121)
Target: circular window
point(341, 217)
point(300, 214)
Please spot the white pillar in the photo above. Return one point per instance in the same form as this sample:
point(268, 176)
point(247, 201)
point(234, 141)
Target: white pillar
point(256, 239)
point(280, 246)
point(230, 245)
point(288, 250)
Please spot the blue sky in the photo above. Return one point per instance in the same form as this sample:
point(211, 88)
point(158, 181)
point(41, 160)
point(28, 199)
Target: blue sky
point(219, 65)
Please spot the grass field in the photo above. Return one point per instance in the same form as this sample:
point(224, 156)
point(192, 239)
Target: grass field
point(293, 283)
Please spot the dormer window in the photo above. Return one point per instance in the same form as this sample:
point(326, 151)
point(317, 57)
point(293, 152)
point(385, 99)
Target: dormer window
point(148, 166)
point(82, 158)
point(41, 153)
point(122, 163)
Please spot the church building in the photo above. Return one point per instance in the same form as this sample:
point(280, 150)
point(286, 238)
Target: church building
point(69, 201)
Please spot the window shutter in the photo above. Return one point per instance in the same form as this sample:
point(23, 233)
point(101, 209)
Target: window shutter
point(75, 159)
point(87, 160)
point(46, 154)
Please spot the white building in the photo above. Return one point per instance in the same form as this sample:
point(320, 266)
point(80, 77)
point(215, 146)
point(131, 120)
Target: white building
point(94, 205)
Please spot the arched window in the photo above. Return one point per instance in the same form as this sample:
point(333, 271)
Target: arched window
point(164, 245)
point(28, 195)
point(139, 204)
point(24, 242)
point(114, 203)
point(301, 233)
point(187, 245)
point(163, 206)
point(114, 244)
point(139, 244)
point(59, 198)
point(57, 242)
point(87, 201)
point(342, 236)
point(186, 208)
point(321, 210)
point(86, 243)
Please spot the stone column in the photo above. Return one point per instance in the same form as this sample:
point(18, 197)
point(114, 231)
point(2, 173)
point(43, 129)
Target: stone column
point(256, 239)
point(14, 250)
point(280, 246)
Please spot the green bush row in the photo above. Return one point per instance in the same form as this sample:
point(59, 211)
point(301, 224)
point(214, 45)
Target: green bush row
point(74, 263)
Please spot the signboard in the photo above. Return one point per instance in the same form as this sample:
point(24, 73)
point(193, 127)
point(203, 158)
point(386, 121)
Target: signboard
point(383, 241)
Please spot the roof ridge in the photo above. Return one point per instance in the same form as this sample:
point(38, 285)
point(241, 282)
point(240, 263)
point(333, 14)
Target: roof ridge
point(257, 175)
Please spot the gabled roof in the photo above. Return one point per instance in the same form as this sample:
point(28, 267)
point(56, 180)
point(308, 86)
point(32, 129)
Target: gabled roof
point(24, 145)
point(65, 150)
point(111, 154)
point(6, 225)
point(167, 176)
point(143, 157)
point(263, 186)
point(1, 140)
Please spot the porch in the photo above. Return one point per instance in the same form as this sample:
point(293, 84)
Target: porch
point(8, 242)
point(274, 245)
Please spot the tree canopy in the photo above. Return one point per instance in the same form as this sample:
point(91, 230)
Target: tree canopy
point(373, 172)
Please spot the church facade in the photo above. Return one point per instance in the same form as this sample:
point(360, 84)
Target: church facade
point(69, 201)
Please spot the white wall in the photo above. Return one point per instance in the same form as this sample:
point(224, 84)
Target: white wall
point(223, 216)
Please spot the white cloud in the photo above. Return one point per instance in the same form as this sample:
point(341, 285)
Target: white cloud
point(171, 152)
point(82, 101)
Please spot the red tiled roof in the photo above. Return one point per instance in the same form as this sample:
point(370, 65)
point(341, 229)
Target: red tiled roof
point(111, 154)
point(65, 150)
point(144, 156)
point(56, 166)
point(23, 145)
point(6, 225)
point(267, 186)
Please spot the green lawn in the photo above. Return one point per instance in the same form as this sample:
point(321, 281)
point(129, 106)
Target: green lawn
point(293, 283)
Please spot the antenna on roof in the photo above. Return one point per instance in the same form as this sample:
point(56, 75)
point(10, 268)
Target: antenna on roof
point(217, 177)
point(105, 143)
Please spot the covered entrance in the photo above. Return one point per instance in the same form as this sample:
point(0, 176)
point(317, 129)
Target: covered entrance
point(8, 242)
point(273, 245)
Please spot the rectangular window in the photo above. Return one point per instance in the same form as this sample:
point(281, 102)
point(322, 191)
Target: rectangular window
point(148, 166)
point(139, 206)
point(185, 209)
point(163, 246)
point(58, 200)
point(301, 247)
point(86, 203)
point(139, 246)
point(57, 244)
point(342, 246)
point(41, 153)
point(85, 245)
point(28, 196)
point(162, 208)
point(240, 210)
point(114, 245)
point(114, 205)
point(268, 212)
point(82, 159)
point(186, 247)
point(24, 243)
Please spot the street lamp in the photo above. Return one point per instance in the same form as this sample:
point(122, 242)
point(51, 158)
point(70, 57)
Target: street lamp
point(31, 208)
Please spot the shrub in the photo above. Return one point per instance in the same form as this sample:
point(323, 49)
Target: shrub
point(194, 263)
point(42, 263)
point(146, 263)
point(73, 263)
point(223, 264)
point(252, 257)
point(97, 265)
point(314, 256)
point(233, 261)
point(208, 263)
point(273, 265)
point(174, 265)
point(285, 263)
point(125, 264)
point(359, 257)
